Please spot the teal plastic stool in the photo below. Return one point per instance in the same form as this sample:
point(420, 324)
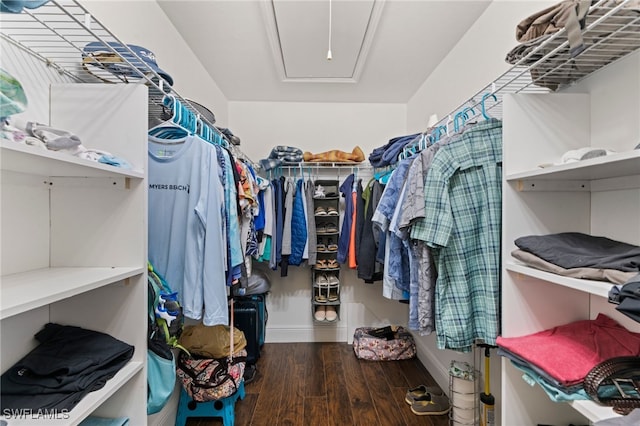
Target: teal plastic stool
point(224, 407)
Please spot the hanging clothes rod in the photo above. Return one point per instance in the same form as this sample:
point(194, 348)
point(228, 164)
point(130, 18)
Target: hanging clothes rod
point(327, 165)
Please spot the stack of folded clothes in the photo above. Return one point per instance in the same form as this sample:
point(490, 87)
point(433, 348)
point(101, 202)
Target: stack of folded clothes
point(387, 155)
point(560, 358)
point(282, 155)
point(68, 363)
point(578, 255)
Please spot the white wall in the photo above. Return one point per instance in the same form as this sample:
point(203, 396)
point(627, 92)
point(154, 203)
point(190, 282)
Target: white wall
point(319, 127)
point(143, 22)
point(314, 127)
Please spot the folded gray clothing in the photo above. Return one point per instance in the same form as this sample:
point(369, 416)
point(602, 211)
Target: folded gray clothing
point(597, 274)
point(270, 163)
point(578, 250)
point(54, 139)
point(627, 297)
point(288, 154)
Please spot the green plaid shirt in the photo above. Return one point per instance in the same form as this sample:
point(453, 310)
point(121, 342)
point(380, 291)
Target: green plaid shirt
point(462, 224)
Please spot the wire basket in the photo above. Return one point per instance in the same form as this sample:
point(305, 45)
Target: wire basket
point(464, 382)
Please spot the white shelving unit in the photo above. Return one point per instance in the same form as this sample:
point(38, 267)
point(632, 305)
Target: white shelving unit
point(74, 240)
point(600, 197)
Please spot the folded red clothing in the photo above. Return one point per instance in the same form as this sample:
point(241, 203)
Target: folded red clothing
point(568, 352)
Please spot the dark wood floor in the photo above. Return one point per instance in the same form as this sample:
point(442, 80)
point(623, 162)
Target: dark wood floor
point(310, 384)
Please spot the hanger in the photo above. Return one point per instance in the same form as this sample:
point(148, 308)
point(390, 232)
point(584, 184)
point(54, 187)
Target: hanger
point(483, 106)
point(446, 125)
point(171, 131)
point(460, 115)
point(385, 179)
point(183, 123)
point(438, 132)
point(422, 143)
point(429, 140)
point(379, 174)
point(467, 109)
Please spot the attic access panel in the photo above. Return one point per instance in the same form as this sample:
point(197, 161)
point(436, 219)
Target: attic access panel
point(299, 34)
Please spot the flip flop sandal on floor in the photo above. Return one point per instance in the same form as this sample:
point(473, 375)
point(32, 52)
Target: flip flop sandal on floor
point(332, 264)
point(331, 246)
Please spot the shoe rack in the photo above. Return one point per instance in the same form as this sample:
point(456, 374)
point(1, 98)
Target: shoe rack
point(325, 274)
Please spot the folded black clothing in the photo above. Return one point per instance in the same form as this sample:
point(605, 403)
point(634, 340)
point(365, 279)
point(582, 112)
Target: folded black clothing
point(68, 363)
point(578, 250)
point(627, 297)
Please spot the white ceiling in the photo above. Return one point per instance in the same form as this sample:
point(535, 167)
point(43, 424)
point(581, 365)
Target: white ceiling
point(276, 50)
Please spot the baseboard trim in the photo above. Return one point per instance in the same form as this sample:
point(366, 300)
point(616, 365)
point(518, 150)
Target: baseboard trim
point(433, 364)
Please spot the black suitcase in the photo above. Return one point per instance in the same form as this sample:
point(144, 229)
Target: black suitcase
point(262, 313)
point(246, 318)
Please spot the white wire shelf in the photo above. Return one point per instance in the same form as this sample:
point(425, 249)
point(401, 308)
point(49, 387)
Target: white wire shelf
point(611, 32)
point(57, 32)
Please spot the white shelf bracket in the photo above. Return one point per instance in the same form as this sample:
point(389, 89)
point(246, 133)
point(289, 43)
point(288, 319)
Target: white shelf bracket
point(553, 186)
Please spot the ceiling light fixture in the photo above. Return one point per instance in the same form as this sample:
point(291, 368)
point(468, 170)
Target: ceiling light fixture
point(329, 56)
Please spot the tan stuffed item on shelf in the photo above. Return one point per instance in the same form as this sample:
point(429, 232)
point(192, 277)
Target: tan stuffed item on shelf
point(336, 156)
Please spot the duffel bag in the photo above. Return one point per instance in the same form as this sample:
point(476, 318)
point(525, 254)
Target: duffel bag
point(210, 379)
point(383, 344)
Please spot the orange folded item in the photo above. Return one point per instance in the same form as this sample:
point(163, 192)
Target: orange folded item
point(336, 156)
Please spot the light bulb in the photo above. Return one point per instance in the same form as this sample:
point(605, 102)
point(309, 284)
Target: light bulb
point(329, 57)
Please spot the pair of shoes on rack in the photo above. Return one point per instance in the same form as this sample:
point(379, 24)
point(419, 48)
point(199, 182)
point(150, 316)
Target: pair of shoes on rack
point(330, 246)
point(329, 211)
point(325, 280)
point(327, 294)
point(427, 401)
point(329, 228)
point(325, 313)
point(327, 264)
